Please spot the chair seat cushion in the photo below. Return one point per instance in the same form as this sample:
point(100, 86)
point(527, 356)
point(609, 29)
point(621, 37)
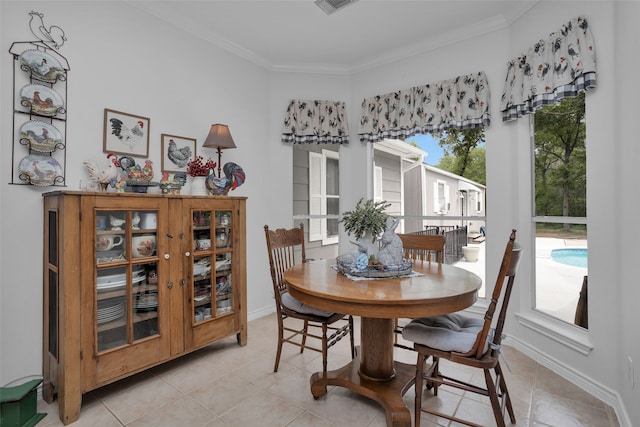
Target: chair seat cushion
point(450, 332)
point(293, 304)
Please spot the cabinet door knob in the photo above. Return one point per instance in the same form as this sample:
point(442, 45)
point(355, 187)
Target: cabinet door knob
point(166, 256)
point(187, 254)
point(169, 285)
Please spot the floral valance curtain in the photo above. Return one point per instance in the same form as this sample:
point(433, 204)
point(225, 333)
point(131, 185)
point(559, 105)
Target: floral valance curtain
point(307, 122)
point(459, 103)
point(557, 67)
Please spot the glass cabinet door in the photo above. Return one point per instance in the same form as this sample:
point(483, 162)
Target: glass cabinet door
point(212, 262)
point(126, 277)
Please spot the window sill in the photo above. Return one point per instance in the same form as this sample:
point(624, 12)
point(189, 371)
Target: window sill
point(569, 335)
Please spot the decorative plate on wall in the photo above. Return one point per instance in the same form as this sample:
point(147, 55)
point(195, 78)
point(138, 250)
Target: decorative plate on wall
point(40, 170)
point(41, 66)
point(42, 100)
point(41, 136)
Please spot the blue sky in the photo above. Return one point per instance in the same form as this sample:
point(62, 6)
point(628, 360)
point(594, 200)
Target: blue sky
point(429, 144)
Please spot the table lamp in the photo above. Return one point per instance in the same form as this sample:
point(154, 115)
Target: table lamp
point(219, 137)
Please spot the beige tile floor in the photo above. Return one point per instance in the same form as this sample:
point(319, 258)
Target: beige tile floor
point(228, 385)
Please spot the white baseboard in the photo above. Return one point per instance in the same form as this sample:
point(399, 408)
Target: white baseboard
point(601, 392)
point(264, 311)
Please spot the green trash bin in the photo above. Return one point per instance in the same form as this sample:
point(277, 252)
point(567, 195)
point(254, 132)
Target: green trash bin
point(18, 405)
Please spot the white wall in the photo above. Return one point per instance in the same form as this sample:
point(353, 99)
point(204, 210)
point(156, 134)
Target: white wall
point(622, 137)
point(141, 66)
point(184, 85)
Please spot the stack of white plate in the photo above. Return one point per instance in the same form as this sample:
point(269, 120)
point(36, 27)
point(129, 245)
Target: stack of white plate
point(116, 281)
point(110, 311)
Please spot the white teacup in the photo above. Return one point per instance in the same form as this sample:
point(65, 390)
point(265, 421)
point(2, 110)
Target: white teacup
point(143, 245)
point(203, 244)
point(106, 242)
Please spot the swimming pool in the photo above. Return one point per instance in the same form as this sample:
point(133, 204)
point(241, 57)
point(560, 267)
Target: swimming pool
point(576, 257)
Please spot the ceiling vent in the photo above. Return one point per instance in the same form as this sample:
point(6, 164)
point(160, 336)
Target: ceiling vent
point(330, 6)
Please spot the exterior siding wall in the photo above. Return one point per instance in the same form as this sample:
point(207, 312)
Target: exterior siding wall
point(391, 181)
point(429, 176)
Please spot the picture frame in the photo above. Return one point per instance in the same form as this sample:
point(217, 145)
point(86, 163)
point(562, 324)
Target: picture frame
point(177, 151)
point(126, 133)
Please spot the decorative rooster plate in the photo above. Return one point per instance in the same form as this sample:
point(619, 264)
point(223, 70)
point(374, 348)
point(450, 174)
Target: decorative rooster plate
point(42, 66)
point(40, 170)
point(42, 100)
point(40, 136)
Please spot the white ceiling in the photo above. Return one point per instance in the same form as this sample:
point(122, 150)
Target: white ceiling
point(297, 35)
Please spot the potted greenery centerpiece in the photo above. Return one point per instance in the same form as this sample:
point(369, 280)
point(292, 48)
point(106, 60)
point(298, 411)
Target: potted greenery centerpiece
point(367, 222)
point(367, 219)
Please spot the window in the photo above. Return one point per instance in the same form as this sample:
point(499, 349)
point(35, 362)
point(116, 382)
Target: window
point(324, 196)
point(377, 183)
point(478, 196)
point(440, 197)
point(559, 213)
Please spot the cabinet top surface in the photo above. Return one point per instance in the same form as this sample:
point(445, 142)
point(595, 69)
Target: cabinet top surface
point(147, 195)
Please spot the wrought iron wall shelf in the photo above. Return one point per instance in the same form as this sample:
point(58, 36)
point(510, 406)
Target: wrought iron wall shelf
point(38, 154)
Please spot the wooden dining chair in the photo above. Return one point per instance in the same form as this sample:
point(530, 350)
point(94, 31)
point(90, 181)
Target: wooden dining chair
point(419, 247)
point(285, 246)
point(467, 341)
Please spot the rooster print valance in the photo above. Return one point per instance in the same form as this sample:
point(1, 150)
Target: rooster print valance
point(560, 66)
point(459, 103)
point(315, 121)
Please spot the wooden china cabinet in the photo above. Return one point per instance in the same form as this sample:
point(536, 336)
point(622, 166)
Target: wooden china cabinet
point(135, 280)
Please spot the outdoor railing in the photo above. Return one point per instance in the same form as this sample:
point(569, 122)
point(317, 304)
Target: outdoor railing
point(455, 239)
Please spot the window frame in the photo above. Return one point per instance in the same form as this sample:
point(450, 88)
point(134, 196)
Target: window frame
point(318, 200)
point(537, 219)
point(444, 207)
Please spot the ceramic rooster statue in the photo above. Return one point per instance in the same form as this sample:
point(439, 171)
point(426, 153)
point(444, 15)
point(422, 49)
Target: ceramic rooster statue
point(139, 173)
point(233, 178)
point(104, 174)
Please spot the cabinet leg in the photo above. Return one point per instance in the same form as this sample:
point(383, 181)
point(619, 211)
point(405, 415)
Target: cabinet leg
point(47, 391)
point(69, 408)
point(242, 337)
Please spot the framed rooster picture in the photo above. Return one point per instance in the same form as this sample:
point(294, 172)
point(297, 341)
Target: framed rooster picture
point(177, 151)
point(126, 133)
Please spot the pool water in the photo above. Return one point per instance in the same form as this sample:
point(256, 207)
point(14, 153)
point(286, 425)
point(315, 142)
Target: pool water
point(576, 257)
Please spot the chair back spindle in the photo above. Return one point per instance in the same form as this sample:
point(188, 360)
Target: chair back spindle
point(423, 247)
point(507, 274)
point(284, 247)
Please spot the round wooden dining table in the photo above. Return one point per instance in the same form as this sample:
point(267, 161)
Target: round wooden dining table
point(434, 290)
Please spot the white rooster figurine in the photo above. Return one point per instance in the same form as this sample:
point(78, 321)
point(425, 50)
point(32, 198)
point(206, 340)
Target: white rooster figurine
point(104, 175)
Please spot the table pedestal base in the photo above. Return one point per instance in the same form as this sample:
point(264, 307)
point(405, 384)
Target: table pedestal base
point(386, 393)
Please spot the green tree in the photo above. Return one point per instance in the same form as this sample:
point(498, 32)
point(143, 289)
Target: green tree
point(460, 143)
point(560, 159)
point(464, 153)
point(476, 165)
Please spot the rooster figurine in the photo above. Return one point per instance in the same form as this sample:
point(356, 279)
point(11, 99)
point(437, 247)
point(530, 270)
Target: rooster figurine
point(233, 178)
point(139, 173)
point(104, 175)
